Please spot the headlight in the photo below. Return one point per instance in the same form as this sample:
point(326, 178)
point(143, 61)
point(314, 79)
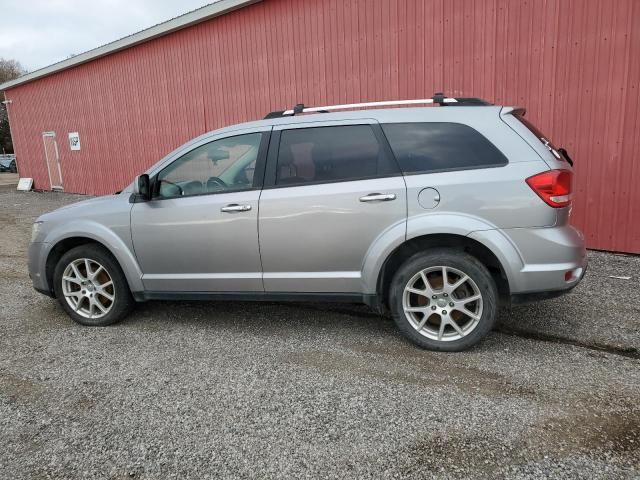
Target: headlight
point(34, 231)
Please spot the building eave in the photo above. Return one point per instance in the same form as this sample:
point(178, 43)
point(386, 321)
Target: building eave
point(178, 23)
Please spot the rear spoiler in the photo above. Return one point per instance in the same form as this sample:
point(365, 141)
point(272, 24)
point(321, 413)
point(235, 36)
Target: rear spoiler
point(513, 111)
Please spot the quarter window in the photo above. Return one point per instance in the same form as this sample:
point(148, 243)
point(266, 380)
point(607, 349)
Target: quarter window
point(330, 154)
point(432, 147)
point(223, 165)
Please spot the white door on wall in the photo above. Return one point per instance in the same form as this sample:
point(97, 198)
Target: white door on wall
point(53, 160)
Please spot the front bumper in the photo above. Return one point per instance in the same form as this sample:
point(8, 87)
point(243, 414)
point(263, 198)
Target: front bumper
point(37, 264)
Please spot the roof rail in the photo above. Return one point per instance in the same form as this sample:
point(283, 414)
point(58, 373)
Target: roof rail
point(438, 98)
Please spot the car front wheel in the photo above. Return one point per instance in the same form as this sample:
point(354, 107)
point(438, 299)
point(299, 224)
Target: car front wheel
point(91, 286)
point(443, 300)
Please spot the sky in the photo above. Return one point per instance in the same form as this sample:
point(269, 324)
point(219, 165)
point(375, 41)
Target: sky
point(38, 33)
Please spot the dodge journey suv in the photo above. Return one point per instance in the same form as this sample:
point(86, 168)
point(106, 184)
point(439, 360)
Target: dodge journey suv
point(436, 214)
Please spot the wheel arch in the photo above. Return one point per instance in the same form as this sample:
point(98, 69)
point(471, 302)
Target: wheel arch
point(115, 246)
point(441, 240)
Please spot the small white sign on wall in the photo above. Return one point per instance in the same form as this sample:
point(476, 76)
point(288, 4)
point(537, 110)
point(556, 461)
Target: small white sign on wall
point(74, 141)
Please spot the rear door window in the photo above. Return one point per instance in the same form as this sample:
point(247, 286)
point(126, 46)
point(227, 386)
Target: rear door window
point(433, 147)
point(331, 154)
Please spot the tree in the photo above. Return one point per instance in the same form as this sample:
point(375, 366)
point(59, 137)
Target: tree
point(9, 69)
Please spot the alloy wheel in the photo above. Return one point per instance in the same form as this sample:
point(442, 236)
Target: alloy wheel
point(88, 288)
point(442, 303)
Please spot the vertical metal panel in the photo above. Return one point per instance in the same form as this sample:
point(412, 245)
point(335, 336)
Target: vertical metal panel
point(572, 63)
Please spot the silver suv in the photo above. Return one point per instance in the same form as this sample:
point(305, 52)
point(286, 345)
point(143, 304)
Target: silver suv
point(436, 214)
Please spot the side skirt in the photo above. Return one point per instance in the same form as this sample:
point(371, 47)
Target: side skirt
point(371, 300)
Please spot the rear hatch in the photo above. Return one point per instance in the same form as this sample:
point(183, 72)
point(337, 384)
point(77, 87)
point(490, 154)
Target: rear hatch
point(554, 187)
point(553, 156)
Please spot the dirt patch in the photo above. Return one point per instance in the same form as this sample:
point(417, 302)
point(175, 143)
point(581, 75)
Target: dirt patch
point(9, 180)
point(556, 439)
point(619, 432)
point(17, 389)
point(468, 379)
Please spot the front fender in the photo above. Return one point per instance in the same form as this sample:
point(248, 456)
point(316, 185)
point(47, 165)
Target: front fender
point(104, 235)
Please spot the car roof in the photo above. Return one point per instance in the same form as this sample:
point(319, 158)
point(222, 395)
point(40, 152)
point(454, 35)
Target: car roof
point(456, 114)
point(478, 115)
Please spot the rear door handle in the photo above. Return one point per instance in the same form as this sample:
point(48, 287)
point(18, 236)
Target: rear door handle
point(378, 197)
point(234, 207)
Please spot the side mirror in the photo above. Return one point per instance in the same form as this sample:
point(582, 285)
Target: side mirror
point(142, 187)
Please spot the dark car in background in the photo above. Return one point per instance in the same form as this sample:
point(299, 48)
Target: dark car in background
point(8, 165)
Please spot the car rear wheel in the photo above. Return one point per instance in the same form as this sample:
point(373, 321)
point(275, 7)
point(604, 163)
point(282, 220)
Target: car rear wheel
point(443, 300)
point(91, 286)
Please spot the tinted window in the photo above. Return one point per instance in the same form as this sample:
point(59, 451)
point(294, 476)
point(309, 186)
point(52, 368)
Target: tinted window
point(428, 147)
point(541, 136)
point(330, 154)
point(222, 165)
point(532, 128)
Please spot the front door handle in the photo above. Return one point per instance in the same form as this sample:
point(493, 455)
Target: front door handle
point(234, 207)
point(378, 197)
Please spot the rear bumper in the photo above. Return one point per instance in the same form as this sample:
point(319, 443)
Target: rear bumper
point(531, 297)
point(539, 260)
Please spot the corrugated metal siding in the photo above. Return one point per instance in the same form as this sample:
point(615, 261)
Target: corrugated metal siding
point(572, 63)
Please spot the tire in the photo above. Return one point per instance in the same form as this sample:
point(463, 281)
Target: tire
point(422, 324)
point(114, 297)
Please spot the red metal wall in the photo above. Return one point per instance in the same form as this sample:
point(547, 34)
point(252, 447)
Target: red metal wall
point(573, 63)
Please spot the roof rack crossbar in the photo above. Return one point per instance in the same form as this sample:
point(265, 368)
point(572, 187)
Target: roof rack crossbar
point(438, 98)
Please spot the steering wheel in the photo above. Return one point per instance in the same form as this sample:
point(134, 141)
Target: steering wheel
point(215, 182)
point(193, 187)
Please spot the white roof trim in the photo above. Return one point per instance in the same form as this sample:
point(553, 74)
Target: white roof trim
point(196, 16)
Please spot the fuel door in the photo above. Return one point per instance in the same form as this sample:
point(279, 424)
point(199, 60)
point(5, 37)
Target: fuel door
point(429, 198)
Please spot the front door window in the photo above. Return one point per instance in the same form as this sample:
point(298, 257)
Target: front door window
point(224, 165)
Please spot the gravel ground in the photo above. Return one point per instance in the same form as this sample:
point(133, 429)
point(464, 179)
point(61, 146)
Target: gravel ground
point(246, 390)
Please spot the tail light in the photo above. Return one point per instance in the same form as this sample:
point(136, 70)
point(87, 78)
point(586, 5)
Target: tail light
point(553, 186)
